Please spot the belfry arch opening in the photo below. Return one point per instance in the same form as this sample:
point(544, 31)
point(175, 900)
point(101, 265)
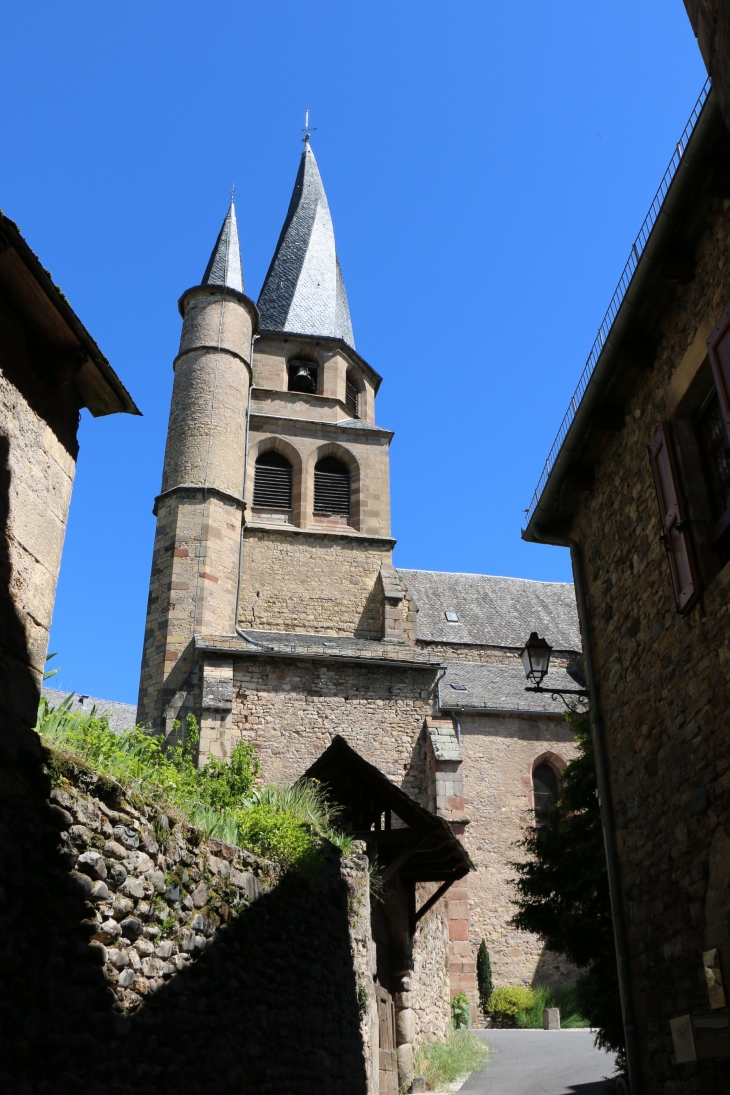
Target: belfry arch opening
point(303, 376)
point(332, 493)
point(272, 485)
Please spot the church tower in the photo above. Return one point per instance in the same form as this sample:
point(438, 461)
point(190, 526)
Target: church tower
point(199, 510)
point(317, 547)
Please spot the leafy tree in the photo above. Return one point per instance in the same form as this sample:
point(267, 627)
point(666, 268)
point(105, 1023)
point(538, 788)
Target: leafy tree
point(484, 975)
point(562, 889)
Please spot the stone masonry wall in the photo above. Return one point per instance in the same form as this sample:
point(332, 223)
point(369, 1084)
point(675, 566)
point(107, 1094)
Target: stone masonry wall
point(665, 694)
point(137, 958)
point(290, 710)
point(312, 583)
point(193, 587)
point(499, 754)
point(36, 476)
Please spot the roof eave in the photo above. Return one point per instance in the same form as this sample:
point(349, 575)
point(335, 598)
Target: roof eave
point(99, 387)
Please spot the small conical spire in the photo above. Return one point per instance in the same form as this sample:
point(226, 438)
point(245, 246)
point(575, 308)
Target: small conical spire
point(303, 292)
point(224, 267)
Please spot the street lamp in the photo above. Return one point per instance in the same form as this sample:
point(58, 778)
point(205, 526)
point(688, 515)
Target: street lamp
point(535, 656)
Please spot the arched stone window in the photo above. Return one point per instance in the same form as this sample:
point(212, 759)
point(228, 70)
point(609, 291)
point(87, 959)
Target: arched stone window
point(544, 787)
point(331, 487)
point(272, 481)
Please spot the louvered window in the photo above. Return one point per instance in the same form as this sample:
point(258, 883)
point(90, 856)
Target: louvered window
point(331, 487)
point(272, 482)
point(351, 398)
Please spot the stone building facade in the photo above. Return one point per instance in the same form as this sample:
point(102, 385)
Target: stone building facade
point(637, 489)
point(51, 368)
point(275, 612)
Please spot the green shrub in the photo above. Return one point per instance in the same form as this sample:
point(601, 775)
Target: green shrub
point(460, 1011)
point(563, 997)
point(484, 975)
point(274, 834)
point(285, 824)
point(507, 1002)
point(444, 1062)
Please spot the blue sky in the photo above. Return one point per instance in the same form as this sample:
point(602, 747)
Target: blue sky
point(487, 166)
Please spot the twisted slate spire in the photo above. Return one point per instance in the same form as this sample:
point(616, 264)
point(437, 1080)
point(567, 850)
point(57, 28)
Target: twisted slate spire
point(304, 292)
point(224, 266)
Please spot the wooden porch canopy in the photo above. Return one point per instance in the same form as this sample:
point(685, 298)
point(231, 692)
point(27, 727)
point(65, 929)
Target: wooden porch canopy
point(404, 836)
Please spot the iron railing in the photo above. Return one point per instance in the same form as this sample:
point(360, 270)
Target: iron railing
point(635, 254)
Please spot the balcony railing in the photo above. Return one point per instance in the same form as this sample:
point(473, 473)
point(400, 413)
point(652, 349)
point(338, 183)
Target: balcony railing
point(635, 254)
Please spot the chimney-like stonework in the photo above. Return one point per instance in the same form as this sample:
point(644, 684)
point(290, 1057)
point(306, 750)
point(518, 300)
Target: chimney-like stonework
point(194, 582)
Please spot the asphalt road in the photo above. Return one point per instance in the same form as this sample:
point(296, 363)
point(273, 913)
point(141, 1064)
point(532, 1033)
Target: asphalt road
point(541, 1062)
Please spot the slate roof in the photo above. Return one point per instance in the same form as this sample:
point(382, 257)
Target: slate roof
point(121, 716)
point(492, 611)
point(302, 645)
point(303, 292)
point(224, 266)
point(499, 688)
point(358, 424)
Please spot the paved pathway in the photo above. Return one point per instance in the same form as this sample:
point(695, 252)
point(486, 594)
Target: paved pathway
point(541, 1062)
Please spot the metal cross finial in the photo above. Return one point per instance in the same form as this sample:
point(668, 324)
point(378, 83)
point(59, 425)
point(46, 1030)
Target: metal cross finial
point(307, 131)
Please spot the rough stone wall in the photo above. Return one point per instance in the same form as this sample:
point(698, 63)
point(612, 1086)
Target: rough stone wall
point(665, 696)
point(37, 466)
point(136, 958)
point(499, 754)
point(306, 582)
point(429, 995)
point(290, 710)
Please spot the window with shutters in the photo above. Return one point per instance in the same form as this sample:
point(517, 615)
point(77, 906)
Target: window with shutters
point(331, 487)
point(718, 349)
point(544, 788)
point(272, 481)
point(717, 467)
point(675, 532)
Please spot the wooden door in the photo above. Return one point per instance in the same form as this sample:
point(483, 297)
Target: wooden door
point(388, 1057)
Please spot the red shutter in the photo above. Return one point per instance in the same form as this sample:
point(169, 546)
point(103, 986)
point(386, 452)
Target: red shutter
point(718, 348)
point(675, 531)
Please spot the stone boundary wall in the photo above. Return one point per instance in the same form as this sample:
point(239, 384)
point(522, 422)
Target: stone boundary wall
point(136, 957)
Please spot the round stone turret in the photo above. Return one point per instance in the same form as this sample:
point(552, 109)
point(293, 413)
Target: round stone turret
point(207, 429)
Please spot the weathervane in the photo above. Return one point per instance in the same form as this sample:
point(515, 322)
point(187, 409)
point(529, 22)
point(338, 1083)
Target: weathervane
point(233, 192)
point(307, 131)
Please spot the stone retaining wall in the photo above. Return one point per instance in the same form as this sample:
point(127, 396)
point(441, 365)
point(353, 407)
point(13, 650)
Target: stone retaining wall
point(137, 957)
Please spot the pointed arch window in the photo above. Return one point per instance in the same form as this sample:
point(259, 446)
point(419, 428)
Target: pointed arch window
point(544, 787)
point(331, 487)
point(272, 481)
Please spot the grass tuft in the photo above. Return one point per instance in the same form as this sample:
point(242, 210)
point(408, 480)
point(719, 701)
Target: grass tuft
point(445, 1062)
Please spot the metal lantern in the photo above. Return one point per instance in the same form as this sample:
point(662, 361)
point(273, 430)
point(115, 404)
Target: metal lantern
point(535, 656)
